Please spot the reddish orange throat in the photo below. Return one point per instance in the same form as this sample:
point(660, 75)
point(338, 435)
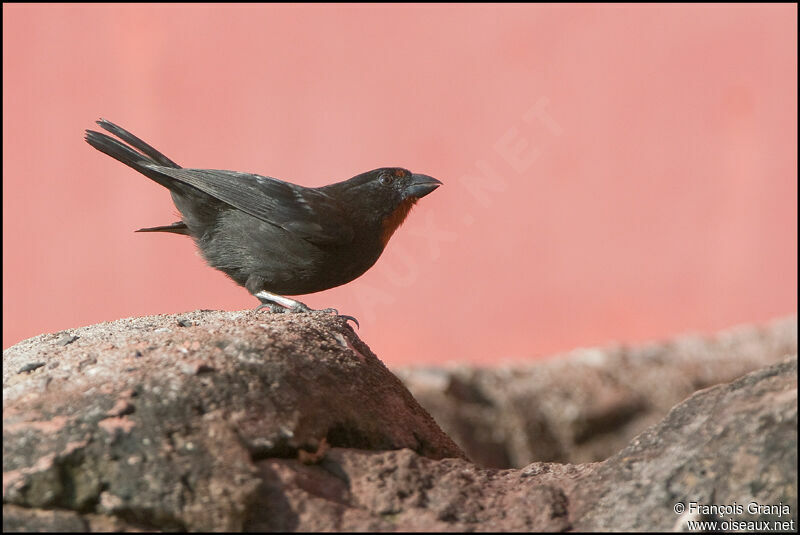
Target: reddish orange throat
point(395, 219)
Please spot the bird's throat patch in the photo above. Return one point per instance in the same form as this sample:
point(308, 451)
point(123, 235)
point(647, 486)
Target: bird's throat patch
point(395, 219)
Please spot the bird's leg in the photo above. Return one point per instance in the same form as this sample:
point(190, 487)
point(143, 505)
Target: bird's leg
point(273, 301)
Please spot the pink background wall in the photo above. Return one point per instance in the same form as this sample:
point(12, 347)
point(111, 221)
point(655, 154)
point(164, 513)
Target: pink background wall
point(611, 173)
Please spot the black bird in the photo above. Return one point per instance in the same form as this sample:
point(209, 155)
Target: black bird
point(273, 237)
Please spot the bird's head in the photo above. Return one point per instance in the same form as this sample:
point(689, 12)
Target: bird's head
point(387, 194)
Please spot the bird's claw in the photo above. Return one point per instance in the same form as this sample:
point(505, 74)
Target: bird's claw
point(277, 309)
point(303, 308)
point(349, 318)
point(344, 316)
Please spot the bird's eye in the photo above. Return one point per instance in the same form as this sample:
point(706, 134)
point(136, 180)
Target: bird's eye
point(386, 179)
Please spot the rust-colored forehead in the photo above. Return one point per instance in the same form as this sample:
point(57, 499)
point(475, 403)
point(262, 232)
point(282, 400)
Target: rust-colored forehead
point(399, 173)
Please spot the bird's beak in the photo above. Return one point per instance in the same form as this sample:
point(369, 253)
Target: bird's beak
point(421, 185)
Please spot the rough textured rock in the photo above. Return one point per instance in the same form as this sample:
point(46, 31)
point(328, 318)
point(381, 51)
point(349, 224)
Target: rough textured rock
point(399, 490)
point(245, 421)
point(158, 421)
point(586, 405)
point(733, 443)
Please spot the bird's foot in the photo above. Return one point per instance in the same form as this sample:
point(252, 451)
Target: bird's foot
point(277, 309)
point(344, 316)
point(286, 305)
point(302, 307)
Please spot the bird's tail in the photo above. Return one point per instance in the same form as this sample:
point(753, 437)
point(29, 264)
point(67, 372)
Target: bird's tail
point(136, 154)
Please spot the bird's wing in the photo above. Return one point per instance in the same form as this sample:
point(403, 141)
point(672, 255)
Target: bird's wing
point(306, 212)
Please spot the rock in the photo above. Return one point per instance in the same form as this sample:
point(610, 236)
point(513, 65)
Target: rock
point(730, 444)
point(355, 490)
point(258, 422)
point(586, 405)
point(733, 443)
point(161, 425)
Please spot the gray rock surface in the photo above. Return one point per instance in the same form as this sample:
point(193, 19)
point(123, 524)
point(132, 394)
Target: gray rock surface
point(352, 490)
point(586, 405)
point(251, 421)
point(159, 421)
point(729, 444)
